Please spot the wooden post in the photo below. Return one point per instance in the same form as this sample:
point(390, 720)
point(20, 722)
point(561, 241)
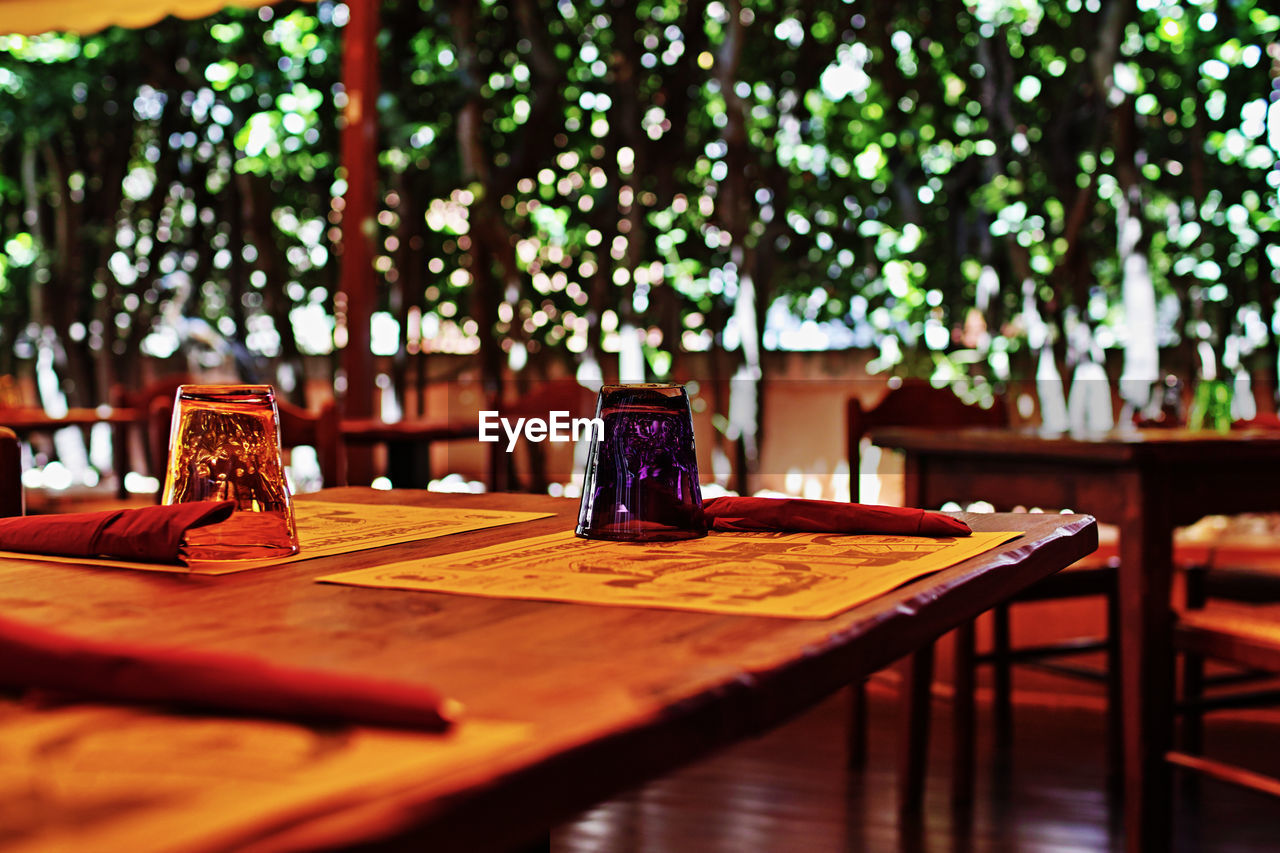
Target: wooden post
point(357, 286)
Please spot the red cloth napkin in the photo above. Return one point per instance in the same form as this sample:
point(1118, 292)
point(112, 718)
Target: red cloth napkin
point(151, 534)
point(35, 657)
point(799, 515)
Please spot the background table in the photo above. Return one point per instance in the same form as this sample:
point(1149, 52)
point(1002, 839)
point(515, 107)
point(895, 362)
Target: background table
point(1147, 483)
point(26, 420)
point(408, 444)
point(29, 419)
point(611, 696)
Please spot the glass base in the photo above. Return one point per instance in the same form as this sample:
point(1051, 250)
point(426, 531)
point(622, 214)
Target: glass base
point(640, 532)
point(244, 536)
point(223, 553)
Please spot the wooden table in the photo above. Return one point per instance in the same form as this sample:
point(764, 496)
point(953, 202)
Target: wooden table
point(1145, 482)
point(26, 420)
point(408, 444)
point(610, 696)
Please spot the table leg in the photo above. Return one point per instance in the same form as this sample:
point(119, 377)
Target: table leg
point(542, 844)
point(359, 465)
point(120, 458)
point(409, 464)
point(858, 725)
point(1001, 678)
point(1146, 622)
point(916, 701)
point(963, 728)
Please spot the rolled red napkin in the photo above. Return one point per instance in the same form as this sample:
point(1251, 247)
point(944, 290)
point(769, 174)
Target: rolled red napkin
point(810, 516)
point(151, 534)
point(32, 657)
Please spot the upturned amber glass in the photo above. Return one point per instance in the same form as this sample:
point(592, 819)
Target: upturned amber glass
point(224, 444)
point(641, 482)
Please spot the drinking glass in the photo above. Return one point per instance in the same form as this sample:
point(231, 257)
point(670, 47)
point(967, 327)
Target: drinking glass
point(224, 444)
point(641, 482)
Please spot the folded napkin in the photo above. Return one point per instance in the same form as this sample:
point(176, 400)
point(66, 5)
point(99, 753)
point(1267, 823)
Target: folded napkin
point(799, 515)
point(151, 534)
point(32, 657)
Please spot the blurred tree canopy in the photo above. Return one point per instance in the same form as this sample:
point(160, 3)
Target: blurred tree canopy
point(983, 189)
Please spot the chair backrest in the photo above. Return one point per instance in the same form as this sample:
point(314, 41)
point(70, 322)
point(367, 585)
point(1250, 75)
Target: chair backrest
point(12, 501)
point(320, 429)
point(126, 437)
point(914, 403)
point(1246, 641)
point(166, 387)
point(563, 394)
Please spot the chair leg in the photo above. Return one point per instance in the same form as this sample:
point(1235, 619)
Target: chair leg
point(1192, 730)
point(120, 434)
point(858, 725)
point(1193, 670)
point(1002, 677)
point(963, 728)
point(917, 683)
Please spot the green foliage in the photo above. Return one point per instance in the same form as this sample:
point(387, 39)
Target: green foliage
point(928, 181)
point(178, 168)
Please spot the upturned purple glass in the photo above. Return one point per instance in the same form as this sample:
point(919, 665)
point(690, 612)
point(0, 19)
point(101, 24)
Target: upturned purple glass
point(641, 482)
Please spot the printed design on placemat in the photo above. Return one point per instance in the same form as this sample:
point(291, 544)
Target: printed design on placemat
point(798, 575)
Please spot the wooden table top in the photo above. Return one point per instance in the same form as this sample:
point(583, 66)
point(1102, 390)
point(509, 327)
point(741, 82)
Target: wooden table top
point(375, 431)
point(1189, 473)
point(608, 696)
point(29, 418)
point(1119, 447)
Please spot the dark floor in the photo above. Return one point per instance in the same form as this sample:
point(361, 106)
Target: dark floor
point(789, 791)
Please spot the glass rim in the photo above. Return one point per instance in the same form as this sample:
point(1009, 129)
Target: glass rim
point(642, 386)
point(224, 390)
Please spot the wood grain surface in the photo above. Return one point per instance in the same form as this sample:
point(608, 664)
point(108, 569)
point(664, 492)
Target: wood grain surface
point(609, 696)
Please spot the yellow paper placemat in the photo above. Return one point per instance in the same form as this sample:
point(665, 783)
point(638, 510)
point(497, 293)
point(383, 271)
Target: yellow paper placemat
point(328, 527)
point(797, 575)
point(92, 777)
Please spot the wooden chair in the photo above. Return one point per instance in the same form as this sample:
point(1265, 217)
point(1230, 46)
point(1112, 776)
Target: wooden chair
point(547, 396)
point(12, 499)
point(320, 429)
point(916, 403)
point(1246, 640)
point(1245, 570)
point(125, 438)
